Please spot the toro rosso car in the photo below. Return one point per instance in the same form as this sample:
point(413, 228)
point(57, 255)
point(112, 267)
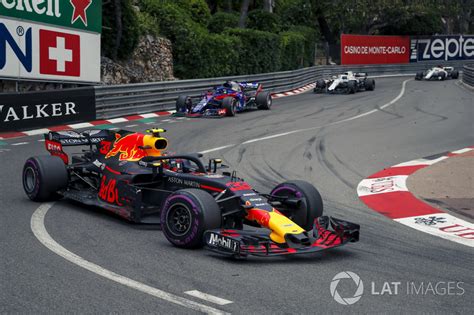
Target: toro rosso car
point(129, 174)
point(225, 100)
point(348, 83)
point(437, 73)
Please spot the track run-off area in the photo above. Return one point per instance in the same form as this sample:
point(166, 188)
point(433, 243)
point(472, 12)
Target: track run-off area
point(65, 257)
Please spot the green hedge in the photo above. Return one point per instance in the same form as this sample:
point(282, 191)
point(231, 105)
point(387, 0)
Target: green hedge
point(292, 50)
point(221, 21)
point(263, 21)
point(259, 52)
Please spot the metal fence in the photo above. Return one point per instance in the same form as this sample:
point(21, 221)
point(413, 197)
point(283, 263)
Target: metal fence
point(119, 100)
point(468, 74)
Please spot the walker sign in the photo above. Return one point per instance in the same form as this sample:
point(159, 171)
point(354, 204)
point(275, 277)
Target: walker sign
point(35, 51)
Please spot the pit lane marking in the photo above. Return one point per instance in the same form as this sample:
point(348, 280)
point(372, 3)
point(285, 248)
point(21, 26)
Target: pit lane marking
point(40, 232)
point(208, 297)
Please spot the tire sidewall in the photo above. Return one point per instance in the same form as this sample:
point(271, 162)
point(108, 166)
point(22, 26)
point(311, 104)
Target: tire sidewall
point(36, 192)
point(312, 205)
point(199, 222)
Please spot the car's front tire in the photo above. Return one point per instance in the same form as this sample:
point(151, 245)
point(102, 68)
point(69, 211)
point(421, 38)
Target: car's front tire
point(183, 104)
point(187, 214)
point(229, 104)
point(310, 207)
point(43, 176)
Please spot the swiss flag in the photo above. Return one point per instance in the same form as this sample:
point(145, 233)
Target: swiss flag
point(60, 53)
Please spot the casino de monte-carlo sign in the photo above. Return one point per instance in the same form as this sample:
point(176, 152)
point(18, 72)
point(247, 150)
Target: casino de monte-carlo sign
point(51, 40)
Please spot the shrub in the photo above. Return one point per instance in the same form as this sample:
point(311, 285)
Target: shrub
point(310, 38)
point(221, 21)
point(263, 21)
point(259, 51)
point(292, 50)
point(197, 9)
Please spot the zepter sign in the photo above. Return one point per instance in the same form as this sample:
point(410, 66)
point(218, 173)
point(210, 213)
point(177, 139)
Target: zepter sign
point(459, 47)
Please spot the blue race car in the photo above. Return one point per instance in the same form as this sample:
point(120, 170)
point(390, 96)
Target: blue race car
point(225, 100)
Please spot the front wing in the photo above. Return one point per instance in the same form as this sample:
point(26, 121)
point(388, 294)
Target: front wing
point(328, 233)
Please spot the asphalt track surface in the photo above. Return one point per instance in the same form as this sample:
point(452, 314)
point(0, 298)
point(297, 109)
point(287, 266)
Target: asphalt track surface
point(429, 118)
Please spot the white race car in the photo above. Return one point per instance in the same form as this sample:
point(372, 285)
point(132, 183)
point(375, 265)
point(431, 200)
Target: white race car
point(438, 73)
point(347, 82)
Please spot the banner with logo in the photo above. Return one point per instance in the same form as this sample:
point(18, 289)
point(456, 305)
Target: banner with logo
point(78, 14)
point(369, 49)
point(32, 110)
point(35, 51)
point(443, 48)
point(51, 40)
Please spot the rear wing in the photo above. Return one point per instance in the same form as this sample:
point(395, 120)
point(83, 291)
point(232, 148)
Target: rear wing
point(360, 74)
point(74, 138)
point(55, 140)
point(250, 85)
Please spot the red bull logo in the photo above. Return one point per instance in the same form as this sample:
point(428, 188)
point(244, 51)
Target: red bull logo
point(128, 147)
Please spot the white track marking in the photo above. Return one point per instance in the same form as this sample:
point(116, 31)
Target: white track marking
point(36, 132)
point(39, 230)
point(130, 126)
point(217, 149)
point(421, 162)
point(208, 297)
point(81, 125)
point(150, 115)
point(165, 120)
point(41, 140)
point(462, 151)
point(19, 143)
point(117, 120)
point(442, 225)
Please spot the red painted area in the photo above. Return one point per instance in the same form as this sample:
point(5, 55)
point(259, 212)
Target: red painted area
point(394, 171)
point(369, 49)
point(212, 188)
point(60, 128)
point(99, 122)
point(398, 204)
point(9, 135)
point(134, 117)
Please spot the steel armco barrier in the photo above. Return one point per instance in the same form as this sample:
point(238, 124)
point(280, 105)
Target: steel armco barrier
point(128, 99)
point(468, 74)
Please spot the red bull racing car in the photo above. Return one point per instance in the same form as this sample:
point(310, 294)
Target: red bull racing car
point(129, 174)
point(225, 100)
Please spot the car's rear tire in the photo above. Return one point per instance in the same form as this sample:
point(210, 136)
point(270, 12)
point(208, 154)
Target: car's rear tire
point(311, 206)
point(419, 76)
point(370, 84)
point(229, 104)
point(455, 74)
point(43, 176)
point(264, 100)
point(187, 214)
point(351, 87)
point(183, 104)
